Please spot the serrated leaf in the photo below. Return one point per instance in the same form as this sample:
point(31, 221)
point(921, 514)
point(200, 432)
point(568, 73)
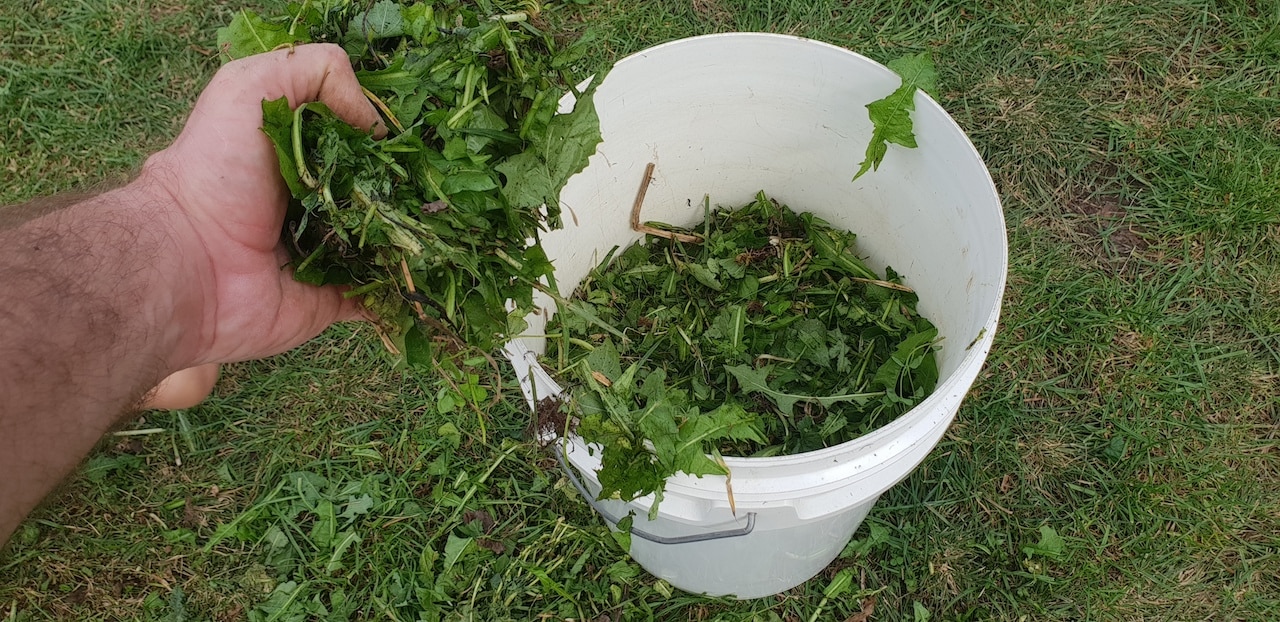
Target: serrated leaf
point(622, 535)
point(308, 486)
point(358, 506)
point(605, 359)
point(536, 176)
point(325, 527)
point(284, 603)
point(629, 471)
point(705, 276)
point(698, 435)
point(756, 381)
point(418, 349)
point(919, 612)
point(419, 22)
point(836, 247)
point(910, 354)
point(917, 70)
point(891, 116)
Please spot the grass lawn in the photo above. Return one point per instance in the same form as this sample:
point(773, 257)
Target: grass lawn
point(1118, 459)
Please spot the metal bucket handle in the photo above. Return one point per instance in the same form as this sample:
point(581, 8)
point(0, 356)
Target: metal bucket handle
point(613, 520)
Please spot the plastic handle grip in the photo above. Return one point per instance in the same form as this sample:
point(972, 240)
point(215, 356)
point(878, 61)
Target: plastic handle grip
point(613, 520)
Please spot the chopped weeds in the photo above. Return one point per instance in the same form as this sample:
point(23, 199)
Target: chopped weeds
point(770, 337)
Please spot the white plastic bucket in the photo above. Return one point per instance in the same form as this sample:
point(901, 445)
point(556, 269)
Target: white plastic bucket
point(729, 115)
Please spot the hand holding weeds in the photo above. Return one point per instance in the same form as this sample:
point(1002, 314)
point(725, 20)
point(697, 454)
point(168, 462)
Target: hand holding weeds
point(182, 269)
point(223, 176)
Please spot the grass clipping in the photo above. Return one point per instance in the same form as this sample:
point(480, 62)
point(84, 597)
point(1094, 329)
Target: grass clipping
point(766, 336)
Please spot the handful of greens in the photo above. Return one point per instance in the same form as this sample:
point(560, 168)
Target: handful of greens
point(435, 227)
point(769, 337)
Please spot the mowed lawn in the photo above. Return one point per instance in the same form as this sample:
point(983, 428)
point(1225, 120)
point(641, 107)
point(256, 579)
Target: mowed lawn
point(1118, 459)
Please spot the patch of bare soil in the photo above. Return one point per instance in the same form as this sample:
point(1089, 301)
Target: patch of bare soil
point(712, 11)
point(1106, 227)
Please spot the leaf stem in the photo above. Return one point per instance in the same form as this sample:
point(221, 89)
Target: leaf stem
point(294, 25)
point(299, 157)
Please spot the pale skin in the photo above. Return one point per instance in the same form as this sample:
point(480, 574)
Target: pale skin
point(133, 297)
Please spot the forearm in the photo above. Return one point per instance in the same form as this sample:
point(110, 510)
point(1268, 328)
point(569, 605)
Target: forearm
point(93, 318)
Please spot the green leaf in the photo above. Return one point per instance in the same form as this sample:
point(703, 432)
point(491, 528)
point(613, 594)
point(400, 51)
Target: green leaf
point(342, 542)
point(358, 506)
point(1050, 545)
point(622, 535)
point(1116, 448)
point(284, 603)
point(99, 467)
point(756, 381)
point(419, 22)
point(917, 70)
point(810, 341)
point(919, 612)
point(732, 324)
point(249, 34)
point(891, 116)
point(839, 584)
point(307, 486)
point(326, 525)
point(467, 181)
point(177, 605)
point(382, 21)
point(536, 176)
point(910, 354)
point(417, 349)
point(705, 276)
point(698, 435)
point(836, 247)
point(450, 434)
point(629, 471)
point(277, 124)
point(454, 550)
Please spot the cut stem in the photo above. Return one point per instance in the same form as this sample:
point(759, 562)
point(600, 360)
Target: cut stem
point(408, 283)
point(885, 284)
point(383, 107)
point(687, 238)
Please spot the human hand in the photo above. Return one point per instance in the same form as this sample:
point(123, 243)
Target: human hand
point(223, 174)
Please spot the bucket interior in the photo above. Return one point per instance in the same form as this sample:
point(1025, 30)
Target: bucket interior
point(726, 116)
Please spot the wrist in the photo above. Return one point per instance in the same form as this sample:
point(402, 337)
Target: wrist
point(176, 308)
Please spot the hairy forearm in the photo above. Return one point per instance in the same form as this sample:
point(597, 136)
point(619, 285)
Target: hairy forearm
point(92, 319)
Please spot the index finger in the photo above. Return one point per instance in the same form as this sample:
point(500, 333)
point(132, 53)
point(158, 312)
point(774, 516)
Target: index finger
point(309, 73)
